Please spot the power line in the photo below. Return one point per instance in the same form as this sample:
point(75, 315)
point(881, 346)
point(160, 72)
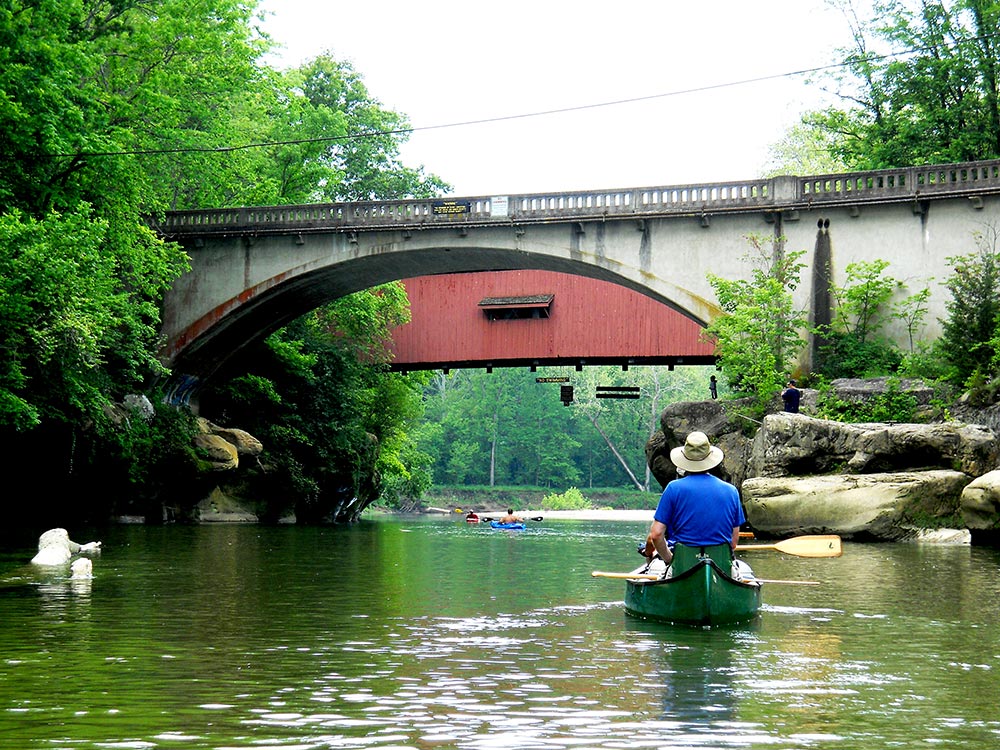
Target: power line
point(468, 123)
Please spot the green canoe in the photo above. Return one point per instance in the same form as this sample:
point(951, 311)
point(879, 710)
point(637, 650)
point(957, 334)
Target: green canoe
point(703, 593)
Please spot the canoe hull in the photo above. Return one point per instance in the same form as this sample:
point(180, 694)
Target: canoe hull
point(704, 596)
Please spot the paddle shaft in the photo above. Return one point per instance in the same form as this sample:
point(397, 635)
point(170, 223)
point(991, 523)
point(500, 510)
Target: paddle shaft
point(653, 577)
point(488, 519)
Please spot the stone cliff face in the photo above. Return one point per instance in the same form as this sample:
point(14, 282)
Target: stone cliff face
point(798, 474)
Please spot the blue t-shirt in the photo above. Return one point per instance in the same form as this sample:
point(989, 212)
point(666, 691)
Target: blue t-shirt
point(700, 509)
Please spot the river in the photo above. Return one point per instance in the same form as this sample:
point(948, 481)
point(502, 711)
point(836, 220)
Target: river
point(428, 632)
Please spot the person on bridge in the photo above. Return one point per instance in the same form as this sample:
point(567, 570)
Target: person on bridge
point(791, 397)
point(510, 517)
point(699, 509)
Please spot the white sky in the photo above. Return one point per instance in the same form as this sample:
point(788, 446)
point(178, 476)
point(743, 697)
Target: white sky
point(441, 63)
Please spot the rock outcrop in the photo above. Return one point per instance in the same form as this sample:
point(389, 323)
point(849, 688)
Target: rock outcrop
point(222, 447)
point(980, 505)
point(56, 548)
point(889, 507)
point(888, 481)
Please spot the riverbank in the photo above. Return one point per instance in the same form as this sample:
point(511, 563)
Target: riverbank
point(593, 514)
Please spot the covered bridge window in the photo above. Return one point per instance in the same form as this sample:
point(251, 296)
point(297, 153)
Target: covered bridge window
point(517, 308)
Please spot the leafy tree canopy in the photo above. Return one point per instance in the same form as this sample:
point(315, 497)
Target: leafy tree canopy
point(919, 85)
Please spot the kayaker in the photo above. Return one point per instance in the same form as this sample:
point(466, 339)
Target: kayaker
point(510, 517)
point(698, 509)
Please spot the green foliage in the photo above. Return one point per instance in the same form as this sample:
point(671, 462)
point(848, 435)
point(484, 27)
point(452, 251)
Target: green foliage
point(78, 315)
point(892, 405)
point(926, 362)
point(804, 150)
point(335, 422)
point(931, 94)
point(967, 336)
point(844, 355)
point(505, 427)
point(853, 347)
point(863, 302)
point(758, 336)
point(912, 310)
point(111, 112)
point(571, 499)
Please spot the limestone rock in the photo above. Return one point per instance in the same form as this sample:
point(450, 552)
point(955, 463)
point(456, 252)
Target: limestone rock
point(220, 508)
point(980, 503)
point(794, 444)
point(881, 506)
point(219, 453)
point(720, 420)
point(82, 567)
point(56, 548)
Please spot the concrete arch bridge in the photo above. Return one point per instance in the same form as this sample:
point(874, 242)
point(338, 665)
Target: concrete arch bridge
point(254, 270)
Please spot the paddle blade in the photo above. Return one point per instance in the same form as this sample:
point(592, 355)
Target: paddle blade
point(632, 576)
point(822, 545)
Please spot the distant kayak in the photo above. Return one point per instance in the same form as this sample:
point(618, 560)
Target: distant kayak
point(519, 526)
point(472, 518)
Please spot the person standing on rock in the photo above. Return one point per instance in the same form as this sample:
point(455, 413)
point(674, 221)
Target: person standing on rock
point(699, 509)
point(713, 387)
point(791, 396)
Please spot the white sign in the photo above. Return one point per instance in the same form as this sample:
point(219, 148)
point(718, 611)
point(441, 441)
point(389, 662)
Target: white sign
point(498, 206)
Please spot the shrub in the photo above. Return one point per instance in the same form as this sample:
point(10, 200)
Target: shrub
point(571, 499)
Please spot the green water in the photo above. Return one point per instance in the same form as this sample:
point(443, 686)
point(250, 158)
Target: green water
point(431, 633)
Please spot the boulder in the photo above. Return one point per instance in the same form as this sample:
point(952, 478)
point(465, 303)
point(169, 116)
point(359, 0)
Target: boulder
point(220, 508)
point(56, 548)
point(796, 445)
point(81, 568)
point(887, 507)
point(720, 420)
point(980, 503)
point(218, 453)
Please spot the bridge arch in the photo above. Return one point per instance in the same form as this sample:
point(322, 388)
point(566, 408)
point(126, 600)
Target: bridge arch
point(208, 342)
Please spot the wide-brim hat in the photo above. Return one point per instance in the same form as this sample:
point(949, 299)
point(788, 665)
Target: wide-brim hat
point(697, 454)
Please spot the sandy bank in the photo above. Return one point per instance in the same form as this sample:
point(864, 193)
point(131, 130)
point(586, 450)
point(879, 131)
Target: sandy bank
point(585, 515)
point(593, 515)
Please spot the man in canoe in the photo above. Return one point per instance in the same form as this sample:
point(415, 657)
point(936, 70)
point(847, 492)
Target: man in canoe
point(698, 509)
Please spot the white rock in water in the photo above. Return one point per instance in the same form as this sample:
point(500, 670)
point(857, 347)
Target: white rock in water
point(82, 567)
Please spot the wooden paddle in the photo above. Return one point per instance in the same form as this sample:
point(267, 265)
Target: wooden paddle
point(653, 577)
point(825, 545)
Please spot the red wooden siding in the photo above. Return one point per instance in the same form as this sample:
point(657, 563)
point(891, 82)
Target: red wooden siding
point(590, 321)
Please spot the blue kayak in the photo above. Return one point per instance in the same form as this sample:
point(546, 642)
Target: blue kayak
point(519, 526)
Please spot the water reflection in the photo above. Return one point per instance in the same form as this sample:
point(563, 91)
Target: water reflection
point(421, 634)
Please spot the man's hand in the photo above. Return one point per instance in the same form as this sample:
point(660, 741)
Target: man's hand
point(648, 550)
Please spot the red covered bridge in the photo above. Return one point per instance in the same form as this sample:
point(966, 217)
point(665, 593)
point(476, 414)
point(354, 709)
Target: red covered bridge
point(537, 318)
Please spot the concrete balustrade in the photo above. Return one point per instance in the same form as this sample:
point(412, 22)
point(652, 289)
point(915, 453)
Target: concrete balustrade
point(774, 194)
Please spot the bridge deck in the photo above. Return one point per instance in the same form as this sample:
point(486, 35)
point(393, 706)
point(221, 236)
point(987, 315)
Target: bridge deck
point(784, 193)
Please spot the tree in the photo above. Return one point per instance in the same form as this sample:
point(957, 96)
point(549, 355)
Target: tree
point(335, 422)
point(967, 333)
point(87, 91)
point(114, 110)
point(919, 85)
point(853, 346)
point(758, 334)
point(804, 150)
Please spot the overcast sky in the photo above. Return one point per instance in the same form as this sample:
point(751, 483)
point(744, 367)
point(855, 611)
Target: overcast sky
point(675, 68)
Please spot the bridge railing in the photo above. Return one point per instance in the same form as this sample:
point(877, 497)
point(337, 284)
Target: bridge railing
point(776, 193)
point(941, 180)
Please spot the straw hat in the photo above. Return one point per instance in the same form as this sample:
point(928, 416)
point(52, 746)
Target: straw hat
point(696, 454)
